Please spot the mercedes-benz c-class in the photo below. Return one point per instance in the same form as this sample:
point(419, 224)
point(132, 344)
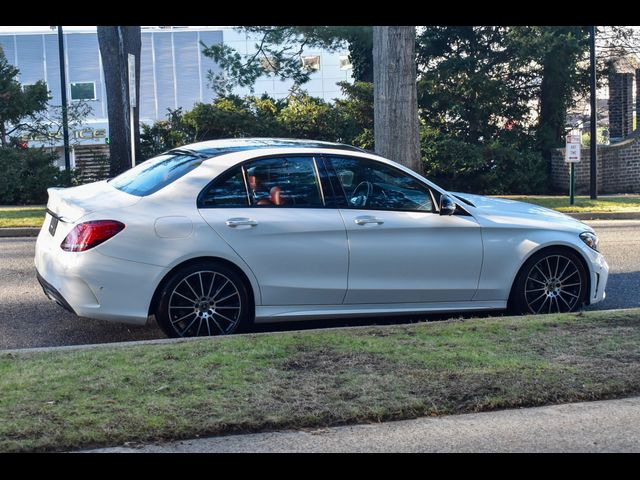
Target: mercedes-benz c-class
point(214, 236)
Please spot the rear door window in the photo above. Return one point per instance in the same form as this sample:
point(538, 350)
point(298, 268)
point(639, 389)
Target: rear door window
point(284, 182)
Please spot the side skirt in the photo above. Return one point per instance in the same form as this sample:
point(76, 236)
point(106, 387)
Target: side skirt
point(284, 313)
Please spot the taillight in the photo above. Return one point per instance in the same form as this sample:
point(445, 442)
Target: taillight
point(89, 234)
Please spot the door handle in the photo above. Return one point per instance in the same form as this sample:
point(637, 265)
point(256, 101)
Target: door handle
point(237, 222)
point(368, 219)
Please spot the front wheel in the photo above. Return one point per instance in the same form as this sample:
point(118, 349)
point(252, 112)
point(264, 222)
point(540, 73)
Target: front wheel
point(553, 281)
point(203, 299)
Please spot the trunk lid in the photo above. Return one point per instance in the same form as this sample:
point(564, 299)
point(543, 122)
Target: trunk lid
point(71, 204)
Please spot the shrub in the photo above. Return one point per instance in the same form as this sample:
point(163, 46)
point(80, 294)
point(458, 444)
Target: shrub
point(505, 164)
point(26, 175)
point(489, 169)
point(164, 135)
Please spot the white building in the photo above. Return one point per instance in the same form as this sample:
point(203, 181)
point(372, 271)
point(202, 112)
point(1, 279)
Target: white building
point(174, 72)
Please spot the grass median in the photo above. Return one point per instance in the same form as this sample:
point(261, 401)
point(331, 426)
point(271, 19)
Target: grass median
point(583, 204)
point(61, 400)
point(22, 217)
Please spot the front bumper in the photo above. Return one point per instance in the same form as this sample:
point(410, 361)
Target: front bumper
point(599, 276)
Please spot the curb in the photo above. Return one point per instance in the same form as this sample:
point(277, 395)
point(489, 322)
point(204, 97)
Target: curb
point(19, 232)
point(605, 215)
point(166, 341)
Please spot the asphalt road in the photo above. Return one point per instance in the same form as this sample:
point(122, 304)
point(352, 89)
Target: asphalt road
point(606, 426)
point(29, 319)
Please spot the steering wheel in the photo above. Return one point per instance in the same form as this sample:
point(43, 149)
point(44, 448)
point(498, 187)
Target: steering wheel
point(361, 194)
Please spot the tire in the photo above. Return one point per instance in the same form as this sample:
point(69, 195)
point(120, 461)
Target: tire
point(203, 299)
point(551, 281)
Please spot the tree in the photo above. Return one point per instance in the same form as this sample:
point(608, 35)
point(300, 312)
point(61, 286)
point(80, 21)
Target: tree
point(116, 42)
point(395, 100)
point(47, 126)
point(17, 104)
point(280, 49)
point(279, 52)
point(558, 56)
point(474, 81)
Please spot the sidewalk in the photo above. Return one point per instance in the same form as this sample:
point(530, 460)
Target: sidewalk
point(19, 232)
point(602, 426)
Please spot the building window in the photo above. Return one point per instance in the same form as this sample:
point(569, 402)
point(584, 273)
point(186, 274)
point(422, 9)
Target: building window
point(345, 63)
point(269, 64)
point(83, 91)
point(29, 86)
point(311, 63)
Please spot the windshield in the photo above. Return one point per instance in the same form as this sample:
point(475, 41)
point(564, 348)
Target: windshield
point(156, 173)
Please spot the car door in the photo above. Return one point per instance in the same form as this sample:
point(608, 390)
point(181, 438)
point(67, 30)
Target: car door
point(271, 212)
point(401, 249)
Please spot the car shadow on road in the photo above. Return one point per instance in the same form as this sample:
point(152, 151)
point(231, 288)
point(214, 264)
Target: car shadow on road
point(622, 292)
point(370, 321)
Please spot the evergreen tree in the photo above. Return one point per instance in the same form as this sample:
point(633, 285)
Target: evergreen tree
point(18, 105)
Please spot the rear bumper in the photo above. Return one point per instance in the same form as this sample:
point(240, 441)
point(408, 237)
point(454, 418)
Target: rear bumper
point(53, 294)
point(94, 285)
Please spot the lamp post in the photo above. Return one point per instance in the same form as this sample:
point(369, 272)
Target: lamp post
point(65, 120)
point(593, 186)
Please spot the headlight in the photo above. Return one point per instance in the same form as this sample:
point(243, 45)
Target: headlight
point(590, 239)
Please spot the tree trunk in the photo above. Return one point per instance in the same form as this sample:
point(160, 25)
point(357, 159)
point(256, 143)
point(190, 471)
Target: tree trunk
point(3, 134)
point(395, 103)
point(116, 42)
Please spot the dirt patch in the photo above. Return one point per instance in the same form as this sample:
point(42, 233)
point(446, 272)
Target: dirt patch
point(328, 360)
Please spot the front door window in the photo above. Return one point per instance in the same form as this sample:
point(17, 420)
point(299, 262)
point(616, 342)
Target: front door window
point(373, 185)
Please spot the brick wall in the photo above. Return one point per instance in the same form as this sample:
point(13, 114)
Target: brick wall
point(618, 169)
point(637, 96)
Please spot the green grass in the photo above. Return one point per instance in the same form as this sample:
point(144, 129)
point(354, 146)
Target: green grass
point(583, 203)
point(22, 217)
point(61, 400)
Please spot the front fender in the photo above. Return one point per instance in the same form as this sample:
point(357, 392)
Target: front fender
point(506, 250)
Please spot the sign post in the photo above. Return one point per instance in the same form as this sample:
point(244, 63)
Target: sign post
point(65, 119)
point(572, 156)
point(132, 104)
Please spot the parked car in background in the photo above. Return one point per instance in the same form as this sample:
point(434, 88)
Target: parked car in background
point(214, 236)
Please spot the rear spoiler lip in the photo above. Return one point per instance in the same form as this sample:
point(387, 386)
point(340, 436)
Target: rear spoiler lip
point(59, 217)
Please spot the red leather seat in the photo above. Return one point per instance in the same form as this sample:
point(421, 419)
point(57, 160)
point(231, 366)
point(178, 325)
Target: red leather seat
point(277, 197)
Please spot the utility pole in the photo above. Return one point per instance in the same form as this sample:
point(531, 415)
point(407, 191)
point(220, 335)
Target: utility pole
point(593, 178)
point(65, 119)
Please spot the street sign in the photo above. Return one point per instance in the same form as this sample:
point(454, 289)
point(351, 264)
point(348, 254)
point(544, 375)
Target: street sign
point(572, 152)
point(132, 80)
point(132, 104)
point(572, 156)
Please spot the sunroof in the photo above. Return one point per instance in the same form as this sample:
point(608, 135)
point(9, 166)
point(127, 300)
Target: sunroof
point(213, 148)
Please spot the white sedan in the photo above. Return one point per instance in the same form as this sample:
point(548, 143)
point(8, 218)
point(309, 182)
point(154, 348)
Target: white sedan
point(214, 236)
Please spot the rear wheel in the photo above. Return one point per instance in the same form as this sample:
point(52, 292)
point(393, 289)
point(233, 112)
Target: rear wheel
point(552, 281)
point(203, 299)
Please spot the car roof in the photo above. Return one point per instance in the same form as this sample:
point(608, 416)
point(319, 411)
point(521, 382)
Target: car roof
point(214, 148)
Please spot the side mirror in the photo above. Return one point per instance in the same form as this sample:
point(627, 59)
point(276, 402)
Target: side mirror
point(447, 205)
